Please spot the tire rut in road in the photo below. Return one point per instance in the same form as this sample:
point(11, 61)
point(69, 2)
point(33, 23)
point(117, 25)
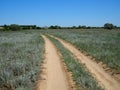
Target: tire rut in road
point(103, 78)
point(53, 76)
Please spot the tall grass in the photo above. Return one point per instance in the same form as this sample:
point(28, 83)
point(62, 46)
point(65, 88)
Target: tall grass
point(104, 45)
point(83, 78)
point(20, 55)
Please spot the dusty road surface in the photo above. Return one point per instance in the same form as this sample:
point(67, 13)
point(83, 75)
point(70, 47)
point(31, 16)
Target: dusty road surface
point(97, 71)
point(54, 77)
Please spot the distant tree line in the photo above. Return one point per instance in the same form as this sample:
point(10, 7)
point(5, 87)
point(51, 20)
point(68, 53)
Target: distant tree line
point(106, 26)
point(15, 27)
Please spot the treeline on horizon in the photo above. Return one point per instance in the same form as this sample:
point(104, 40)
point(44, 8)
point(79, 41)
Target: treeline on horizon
point(15, 27)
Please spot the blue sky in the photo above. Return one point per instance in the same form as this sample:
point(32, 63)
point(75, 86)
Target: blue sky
point(60, 12)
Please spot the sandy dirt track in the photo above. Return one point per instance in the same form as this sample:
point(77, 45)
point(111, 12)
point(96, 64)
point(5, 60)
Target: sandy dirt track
point(104, 79)
point(53, 75)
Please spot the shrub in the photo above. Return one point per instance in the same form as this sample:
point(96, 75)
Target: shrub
point(14, 27)
point(108, 26)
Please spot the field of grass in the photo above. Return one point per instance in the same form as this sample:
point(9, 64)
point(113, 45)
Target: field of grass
point(21, 53)
point(83, 78)
point(20, 56)
point(104, 45)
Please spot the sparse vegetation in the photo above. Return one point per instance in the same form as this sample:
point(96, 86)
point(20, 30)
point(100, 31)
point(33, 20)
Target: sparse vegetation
point(20, 56)
point(21, 53)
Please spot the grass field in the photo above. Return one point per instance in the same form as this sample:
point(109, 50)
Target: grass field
point(104, 45)
point(83, 78)
point(20, 55)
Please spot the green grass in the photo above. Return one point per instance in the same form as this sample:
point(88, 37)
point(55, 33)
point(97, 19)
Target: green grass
point(20, 56)
point(83, 78)
point(104, 45)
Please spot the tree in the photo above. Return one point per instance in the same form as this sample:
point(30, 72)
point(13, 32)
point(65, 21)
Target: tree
point(108, 26)
point(14, 27)
point(54, 27)
point(38, 27)
point(79, 27)
point(73, 27)
point(6, 27)
point(83, 27)
point(33, 26)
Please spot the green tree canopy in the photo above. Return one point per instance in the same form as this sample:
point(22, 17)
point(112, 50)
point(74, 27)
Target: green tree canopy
point(108, 26)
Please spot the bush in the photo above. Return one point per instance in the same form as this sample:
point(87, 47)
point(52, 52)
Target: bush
point(14, 27)
point(108, 26)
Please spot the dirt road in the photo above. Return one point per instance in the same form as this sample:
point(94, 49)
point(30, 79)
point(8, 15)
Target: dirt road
point(53, 75)
point(97, 71)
